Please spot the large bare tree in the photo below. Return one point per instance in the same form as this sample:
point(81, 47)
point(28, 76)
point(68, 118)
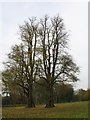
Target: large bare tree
point(28, 33)
point(56, 65)
point(23, 59)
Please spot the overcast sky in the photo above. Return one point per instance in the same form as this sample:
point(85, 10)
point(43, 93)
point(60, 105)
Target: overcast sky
point(75, 17)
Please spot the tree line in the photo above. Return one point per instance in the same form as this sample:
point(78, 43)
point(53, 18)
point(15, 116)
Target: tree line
point(40, 60)
point(62, 93)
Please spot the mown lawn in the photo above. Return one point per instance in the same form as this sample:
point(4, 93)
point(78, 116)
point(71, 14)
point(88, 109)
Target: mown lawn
point(62, 110)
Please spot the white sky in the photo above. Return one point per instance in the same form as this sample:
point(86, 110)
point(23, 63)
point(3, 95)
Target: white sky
point(75, 15)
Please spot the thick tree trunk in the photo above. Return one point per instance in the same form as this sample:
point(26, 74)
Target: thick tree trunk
point(50, 101)
point(30, 101)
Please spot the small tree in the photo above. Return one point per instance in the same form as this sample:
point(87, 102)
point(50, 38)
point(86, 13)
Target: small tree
point(10, 88)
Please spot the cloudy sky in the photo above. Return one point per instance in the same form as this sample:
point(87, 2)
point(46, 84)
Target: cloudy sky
point(75, 15)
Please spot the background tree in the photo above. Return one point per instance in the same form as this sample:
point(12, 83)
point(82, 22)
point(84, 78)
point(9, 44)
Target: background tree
point(40, 92)
point(63, 92)
point(11, 90)
point(82, 95)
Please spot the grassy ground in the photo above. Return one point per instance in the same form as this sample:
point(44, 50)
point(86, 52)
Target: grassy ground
point(62, 110)
point(0, 113)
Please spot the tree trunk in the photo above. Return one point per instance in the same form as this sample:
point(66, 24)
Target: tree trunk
point(30, 101)
point(50, 101)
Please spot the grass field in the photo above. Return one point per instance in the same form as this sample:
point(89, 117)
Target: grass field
point(0, 113)
point(62, 110)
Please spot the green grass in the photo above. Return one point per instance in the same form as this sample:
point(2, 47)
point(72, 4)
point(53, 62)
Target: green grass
point(62, 110)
